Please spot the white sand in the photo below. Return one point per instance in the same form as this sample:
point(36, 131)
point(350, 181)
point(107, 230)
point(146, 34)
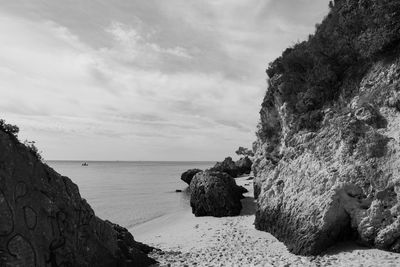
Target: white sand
point(186, 240)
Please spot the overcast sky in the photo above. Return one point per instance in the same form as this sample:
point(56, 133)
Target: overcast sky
point(142, 79)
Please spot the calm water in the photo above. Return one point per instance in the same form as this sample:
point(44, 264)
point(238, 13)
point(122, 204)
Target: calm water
point(130, 193)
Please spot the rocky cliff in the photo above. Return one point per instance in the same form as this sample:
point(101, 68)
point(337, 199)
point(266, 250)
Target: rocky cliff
point(328, 150)
point(45, 222)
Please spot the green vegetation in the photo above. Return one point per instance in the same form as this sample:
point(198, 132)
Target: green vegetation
point(242, 151)
point(10, 129)
point(13, 130)
point(33, 149)
point(330, 63)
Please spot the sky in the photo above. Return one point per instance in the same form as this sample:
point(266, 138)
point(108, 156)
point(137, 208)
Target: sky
point(142, 80)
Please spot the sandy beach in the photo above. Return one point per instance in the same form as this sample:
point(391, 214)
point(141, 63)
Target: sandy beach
point(185, 240)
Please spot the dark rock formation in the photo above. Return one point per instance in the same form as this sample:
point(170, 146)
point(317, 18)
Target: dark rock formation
point(234, 169)
point(244, 165)
point(328, 150)
point(45, 222)
point(215, 194)
point(187, 176)
point(131, 252)
point(241, 190)
point(228, 166)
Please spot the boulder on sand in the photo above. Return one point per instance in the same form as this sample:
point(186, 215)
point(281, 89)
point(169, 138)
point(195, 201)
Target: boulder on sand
point(215, 194)
point(45, 222)
point(187, 176)
point(228, 166)
point(244, 165)
point(234, 169)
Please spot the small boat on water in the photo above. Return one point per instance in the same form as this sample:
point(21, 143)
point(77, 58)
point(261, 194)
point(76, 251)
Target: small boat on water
point(85, 164)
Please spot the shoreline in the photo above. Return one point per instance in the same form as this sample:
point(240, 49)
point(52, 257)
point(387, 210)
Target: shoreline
point(182, 239)
point(148, 229)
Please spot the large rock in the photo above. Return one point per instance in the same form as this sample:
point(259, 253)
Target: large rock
point(244, 165)
point(340, 182)
point(234, 169)
point(329, 170)
point(187, 176)
point(215, 194)
point(228, 166)
point(45, 222)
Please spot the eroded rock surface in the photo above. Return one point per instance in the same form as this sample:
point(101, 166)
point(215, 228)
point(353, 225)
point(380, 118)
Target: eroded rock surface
point(188, 175)
point(328, 151)
point(244, 165)
point(228, 166)
point(234, 169)
point(340, 181)
point(215, 194)
point(45, 222)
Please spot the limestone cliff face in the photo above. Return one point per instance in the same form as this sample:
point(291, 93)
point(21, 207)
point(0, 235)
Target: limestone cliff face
point(45, 222)
point(340, 181)
point(340, 177)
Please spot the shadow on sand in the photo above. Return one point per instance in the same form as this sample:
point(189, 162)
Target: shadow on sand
point(249, 206)
point(346, 246)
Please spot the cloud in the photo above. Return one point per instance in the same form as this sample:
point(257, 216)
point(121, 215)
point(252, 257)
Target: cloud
point(138, 80)
point(132, 45)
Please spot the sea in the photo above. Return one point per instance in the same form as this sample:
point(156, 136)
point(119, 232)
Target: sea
point(131, 193)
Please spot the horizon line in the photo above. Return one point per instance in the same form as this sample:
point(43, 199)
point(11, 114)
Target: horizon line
point(78, 160)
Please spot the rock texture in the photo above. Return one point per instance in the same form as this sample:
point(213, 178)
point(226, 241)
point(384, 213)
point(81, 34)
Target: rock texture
point(188, 175)
point(215, 194)
point(315, 188)
point(234, 169)
point(340, 179)
point(244, 165)
point(228, 166)
point(45, 222)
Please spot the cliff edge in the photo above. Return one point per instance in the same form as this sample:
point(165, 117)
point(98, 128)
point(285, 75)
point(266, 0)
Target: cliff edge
point(45, 222)
point(328, 144)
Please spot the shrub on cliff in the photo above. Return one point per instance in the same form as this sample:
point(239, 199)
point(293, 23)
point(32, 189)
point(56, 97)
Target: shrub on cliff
point(242, 151)
point(9, 128)
point(33, 149)
point(13, 130)
point(353, 34)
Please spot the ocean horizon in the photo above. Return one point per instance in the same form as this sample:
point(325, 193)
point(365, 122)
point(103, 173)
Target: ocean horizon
point(130, 192)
